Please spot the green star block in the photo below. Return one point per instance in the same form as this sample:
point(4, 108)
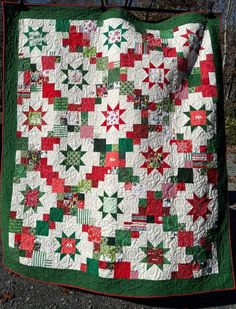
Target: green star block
point(155, 255)
point(74, 77)
point(73, 158)
point(114, 36)
point(68, 246)
point(31, 198)
point(198, 118)
point(110, 205)
point(35, 38)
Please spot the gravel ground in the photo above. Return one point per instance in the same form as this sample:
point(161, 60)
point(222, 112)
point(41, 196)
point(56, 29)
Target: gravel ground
point(21, 293)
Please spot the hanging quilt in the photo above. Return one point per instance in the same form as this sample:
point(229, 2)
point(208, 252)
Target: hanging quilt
point(114, 173)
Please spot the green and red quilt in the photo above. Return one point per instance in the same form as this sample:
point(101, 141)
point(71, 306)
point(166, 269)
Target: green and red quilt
point(114, 173)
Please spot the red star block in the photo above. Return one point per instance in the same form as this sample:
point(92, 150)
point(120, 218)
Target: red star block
point(155, 160)
point(200, 206)
point(35, 118)
point(113, 117)
point(156, 75)
point(192, 40)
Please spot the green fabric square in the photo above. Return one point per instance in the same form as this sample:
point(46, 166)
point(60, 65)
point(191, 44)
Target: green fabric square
point(126, 87)
point(60, 104)
point(142, 202)
point(108, 147)
point(33, 67)
point(125, 174)
point(62, 25)
point(84, 118)
point(180, 136)
point(15, 225)
point(194, 79)
point(102, 64)
point(20, 171)
point(98, 101)
point(61, 131)
point(56, 214)
point(22, 143)
point(92, 266)
point(100, 145)
point(89, 52)
point(150, 219)
point(24, 64)
point(198, 253)
point(111, 241)
point(33, 88)
point(42, 228)
point(35, 118)
point(123, 238)
point(125, 145)
point(185, 175)
point(113, 75)
point(166, 34)
point(170, 223)
point(211, 145)
point(158, 195)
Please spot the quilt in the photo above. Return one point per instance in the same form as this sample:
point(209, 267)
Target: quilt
point(114, 172)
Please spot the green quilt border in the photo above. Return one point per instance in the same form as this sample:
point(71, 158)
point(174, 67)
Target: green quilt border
point(113, 287)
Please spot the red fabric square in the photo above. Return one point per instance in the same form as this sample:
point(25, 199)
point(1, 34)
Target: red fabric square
point(48, 62)
point(123, 77)
point(27, 242)
point(212, 175)
point(122, 270)
point(94, 233)
point(46, 217)
point(12, 214)
point(134, 234)
point(83, 267)
point(185, 238)
point(87, 104)
point(185, 271)
point(47, 143)
point(93, 60)
point(198, 118)
point(58, 185)
point(68, 246)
